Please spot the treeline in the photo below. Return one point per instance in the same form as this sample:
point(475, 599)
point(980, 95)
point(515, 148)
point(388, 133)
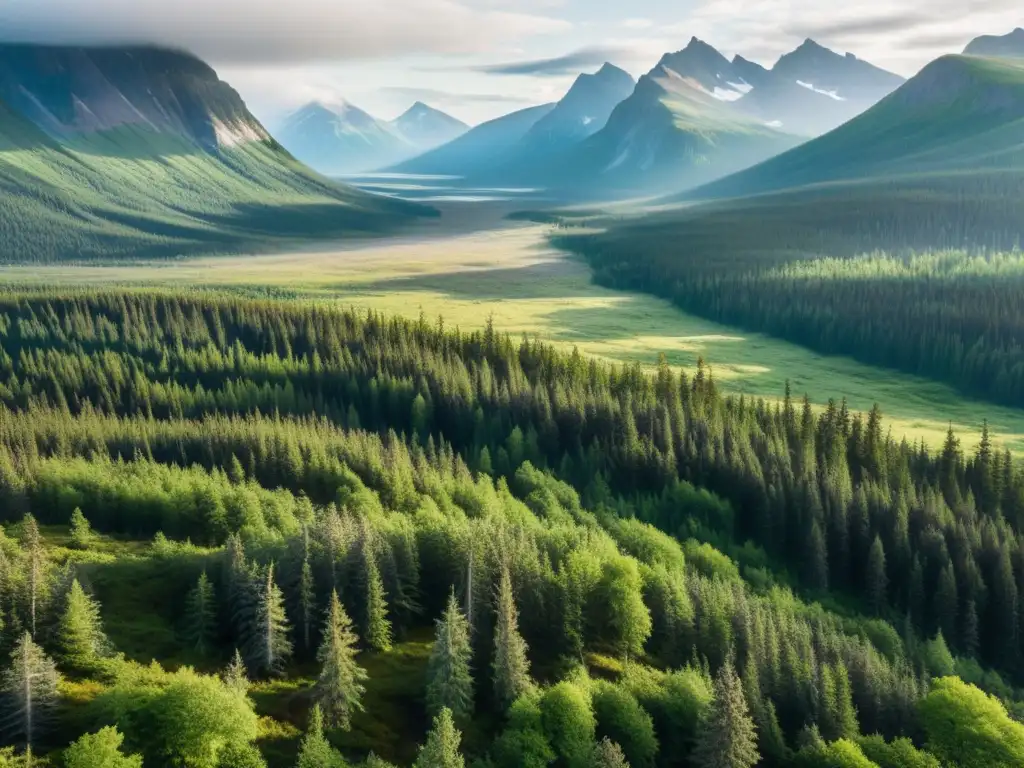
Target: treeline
point(805, 267)
point(395, 461)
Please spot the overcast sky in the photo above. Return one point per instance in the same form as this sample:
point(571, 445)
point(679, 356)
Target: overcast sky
point(481, 58)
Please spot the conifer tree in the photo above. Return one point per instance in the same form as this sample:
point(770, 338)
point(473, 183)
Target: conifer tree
point(201, 616)
point(235, 676)
point(377, 627)
point(80, 636)
point(728, 738)
point(315, 751)
point(876, 579)
point(268, 648)
point(29, 688)
point(449, 680)
point(35, 577)
point(307, 603)
point(442, 747)
point(511, 665)
point(608, 754)
point(339, 687)
point(81, 532)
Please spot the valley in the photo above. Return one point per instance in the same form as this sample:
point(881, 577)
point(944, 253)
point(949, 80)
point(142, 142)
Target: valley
point(473, 264)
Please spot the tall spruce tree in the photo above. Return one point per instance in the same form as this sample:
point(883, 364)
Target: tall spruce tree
point(339, 687)
point(876, 579)
point(315, 751)
point(29, 687)
point(268, 648)
point(727, 738)
point(442, 747)
point(307, 603)
point(376, 626)
point(201, 617)
point(35, 576)
point(511, 665)
point(449, 679)
point(80, 636)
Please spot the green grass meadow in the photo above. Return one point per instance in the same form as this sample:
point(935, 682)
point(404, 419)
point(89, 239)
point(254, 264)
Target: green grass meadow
point(513, 275)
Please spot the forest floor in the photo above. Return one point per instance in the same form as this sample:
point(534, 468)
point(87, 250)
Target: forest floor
point(469, 266)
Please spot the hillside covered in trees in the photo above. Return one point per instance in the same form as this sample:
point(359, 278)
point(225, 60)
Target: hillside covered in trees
point(240, 533)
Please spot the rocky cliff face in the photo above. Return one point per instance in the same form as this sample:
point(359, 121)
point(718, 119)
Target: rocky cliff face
point(69, 91)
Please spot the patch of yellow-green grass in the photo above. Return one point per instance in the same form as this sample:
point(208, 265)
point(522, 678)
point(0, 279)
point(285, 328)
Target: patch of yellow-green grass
point(512, 274)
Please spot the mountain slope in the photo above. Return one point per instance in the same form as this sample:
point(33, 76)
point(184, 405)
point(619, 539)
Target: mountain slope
point(675, 130)
point(1004, 46)
point(426, 128)
point(346, 140)
point(119, 153)
point(481, 148)
point(959, 113)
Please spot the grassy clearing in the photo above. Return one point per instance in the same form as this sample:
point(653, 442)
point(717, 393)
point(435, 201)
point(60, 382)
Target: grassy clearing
point(512, 275)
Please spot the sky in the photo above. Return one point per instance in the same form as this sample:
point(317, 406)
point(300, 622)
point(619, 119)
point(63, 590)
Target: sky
point(478, 59)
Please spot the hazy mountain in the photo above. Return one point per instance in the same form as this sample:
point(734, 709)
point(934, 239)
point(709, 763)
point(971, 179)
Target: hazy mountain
point(677, 129)
point(960, 113)
point(426, 128)
point(124, 152)
point(479, 149)
point(1011, 45)
point(342, 140)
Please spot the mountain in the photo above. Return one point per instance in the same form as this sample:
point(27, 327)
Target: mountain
point(1011, 45)
point(343, 140)
point(140, 151)
point(678, 128)
point(482, 147)
point(426, 128)
point(960, 113)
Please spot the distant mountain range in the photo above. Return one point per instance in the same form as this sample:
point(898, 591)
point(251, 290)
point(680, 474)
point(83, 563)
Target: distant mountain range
point(346, 139)
point(133, 151)
point(695, 117)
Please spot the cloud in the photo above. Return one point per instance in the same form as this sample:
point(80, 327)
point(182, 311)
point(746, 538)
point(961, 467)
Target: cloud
point(273, 32)
point(638, 23)
point(570, 64)
point(452, 98)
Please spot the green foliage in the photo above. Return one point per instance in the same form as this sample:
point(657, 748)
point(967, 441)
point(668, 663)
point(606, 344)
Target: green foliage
point(728, 738)
point(268, 646)
point(900, 753)
point(449, 680)
point(80, 636)
point(524, 743)
point(100, 750)
point(965, 727)
point(340, 685)
point(235, 755)
point(180, 718)
point(442, 747)
point(315, 751)
point(569, 723)
point(838, 754)
point(82, 536)
point(623, 620)
point(511, 665)
point(607, 754)
point(201, 616)
point(620, 719)
point(937, 658)
point(376, 626)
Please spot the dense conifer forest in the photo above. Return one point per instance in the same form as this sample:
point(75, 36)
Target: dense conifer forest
point(248, 532)
point(922, 275)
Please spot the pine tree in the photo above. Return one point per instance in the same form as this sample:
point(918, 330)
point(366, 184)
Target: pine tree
point(876, 580)
point(201, 616)
point(30, 693)
point(81, 532)
point(376, 628)
point(608, 754)
point(80, 636)
point(32, 544)
point(442, 747)
point(315, 751)
point(339, 687)
point(449, 680)
point(511, 665)
point(307, 603)
point(728, 738)
point(235, 676)
point(269, 649)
